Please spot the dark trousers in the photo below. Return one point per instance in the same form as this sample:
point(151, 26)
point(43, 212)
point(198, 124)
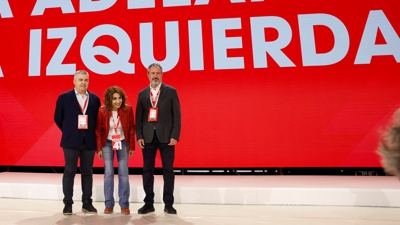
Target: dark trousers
point(71, 157)
point(167, 157)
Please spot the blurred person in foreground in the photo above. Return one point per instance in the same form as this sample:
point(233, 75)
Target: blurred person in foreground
point(389, 146)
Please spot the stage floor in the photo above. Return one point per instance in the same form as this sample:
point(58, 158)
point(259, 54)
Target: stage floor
point(29, 212)
point(36, 198)
point(382, 191)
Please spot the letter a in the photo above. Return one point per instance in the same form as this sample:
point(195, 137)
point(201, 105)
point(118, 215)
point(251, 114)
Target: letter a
point(377, 20)
point(41, 5)
point(5, 9)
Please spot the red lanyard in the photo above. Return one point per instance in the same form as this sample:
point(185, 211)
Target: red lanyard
point(116, 124)
point(154, 99)
point(84, 106)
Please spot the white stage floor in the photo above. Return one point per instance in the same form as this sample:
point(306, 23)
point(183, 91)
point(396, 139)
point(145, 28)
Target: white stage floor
point(36, 198)
point(382, 191)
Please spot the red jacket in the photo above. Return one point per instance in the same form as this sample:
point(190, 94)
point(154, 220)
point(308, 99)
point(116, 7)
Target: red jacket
point(103, 126)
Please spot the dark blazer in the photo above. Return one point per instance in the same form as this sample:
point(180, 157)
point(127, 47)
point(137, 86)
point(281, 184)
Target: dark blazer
point(66, 118)
point(168, 124)
point(103, 126)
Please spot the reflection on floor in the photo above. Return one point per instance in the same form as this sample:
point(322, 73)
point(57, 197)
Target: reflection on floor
point(43, 212)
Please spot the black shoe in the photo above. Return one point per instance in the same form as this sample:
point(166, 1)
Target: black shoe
point(169, 210)
point(67, 209)
point(88, 208)
point(146, 209)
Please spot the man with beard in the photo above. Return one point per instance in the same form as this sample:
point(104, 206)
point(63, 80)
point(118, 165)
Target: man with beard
point(158, 126)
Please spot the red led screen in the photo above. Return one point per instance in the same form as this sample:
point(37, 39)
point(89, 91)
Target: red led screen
point(261, 83)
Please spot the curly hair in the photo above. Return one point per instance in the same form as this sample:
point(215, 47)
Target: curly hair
point(108, 97)
point(389, 146)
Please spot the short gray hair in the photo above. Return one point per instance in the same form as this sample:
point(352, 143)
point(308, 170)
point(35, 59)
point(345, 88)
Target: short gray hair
point(154, 65)
point(81, 72)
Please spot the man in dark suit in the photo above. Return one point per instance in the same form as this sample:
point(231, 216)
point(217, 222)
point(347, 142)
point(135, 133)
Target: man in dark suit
point(158, 126)
point(76, 115)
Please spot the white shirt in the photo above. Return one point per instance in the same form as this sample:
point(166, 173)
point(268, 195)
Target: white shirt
point(82, 99)
point(154, 92)
point(113, 122)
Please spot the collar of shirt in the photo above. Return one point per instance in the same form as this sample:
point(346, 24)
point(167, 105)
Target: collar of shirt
point(77, 93)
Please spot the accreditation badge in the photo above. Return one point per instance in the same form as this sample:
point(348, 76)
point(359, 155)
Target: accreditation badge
point(82, 122)
point(153, 114)
point(116, 142)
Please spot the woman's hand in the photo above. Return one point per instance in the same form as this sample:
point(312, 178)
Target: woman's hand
point(100, 154)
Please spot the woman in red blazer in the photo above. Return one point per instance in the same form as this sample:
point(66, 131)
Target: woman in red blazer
point(115, 133)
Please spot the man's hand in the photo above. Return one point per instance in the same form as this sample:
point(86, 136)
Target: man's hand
point(141, 143)
point(172, 142)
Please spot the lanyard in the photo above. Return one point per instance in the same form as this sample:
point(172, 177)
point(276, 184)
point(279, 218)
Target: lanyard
point(84, 106)
point(116, 124)
point(153, 99)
